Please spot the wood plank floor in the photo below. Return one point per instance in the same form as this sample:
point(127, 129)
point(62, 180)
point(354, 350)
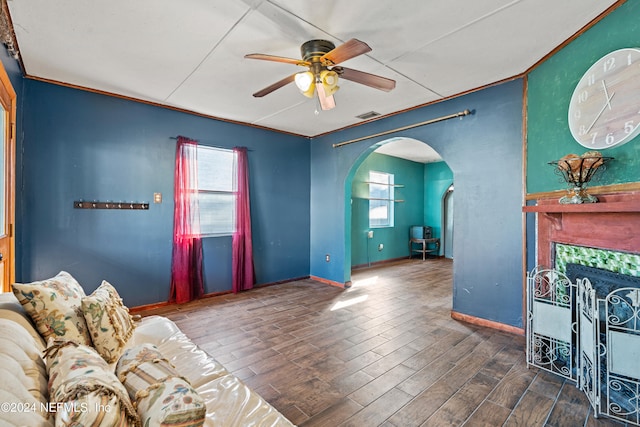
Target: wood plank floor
point(383, 353)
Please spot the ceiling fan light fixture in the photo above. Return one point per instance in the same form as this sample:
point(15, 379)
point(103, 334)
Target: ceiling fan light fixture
point(329, 79)
point(322, 57)
point(304, 81)
point(310, 92)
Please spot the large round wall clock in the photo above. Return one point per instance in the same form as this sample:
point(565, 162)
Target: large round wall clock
point(604, 111)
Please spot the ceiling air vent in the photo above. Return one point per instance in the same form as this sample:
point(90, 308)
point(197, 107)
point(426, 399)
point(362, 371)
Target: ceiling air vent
point(369, 115)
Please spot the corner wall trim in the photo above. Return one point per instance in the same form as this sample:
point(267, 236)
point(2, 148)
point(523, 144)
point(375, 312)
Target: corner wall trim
point(161, 304)
point(328, 282)
point(486, 323)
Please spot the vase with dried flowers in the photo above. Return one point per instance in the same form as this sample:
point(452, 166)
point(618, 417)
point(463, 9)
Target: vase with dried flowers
point(577, 172)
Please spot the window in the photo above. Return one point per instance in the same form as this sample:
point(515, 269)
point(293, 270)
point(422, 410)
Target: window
point(380, 199)
point(216, 191)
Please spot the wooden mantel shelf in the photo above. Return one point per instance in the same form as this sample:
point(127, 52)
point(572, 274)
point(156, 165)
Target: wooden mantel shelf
point(614, 223)
point(631, 206)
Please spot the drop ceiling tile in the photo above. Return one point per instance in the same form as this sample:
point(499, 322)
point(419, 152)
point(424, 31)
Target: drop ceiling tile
point(224, 83)
point(500, 46)
point(391, 28)
point(142, 49)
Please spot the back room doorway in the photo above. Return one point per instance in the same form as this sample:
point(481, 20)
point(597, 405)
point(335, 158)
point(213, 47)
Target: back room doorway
point(447, 223)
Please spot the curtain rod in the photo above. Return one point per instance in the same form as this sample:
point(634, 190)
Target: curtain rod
point(197, 140)
point(428, 122)
point(176, 137)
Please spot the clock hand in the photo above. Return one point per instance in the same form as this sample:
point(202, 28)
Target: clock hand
point(601, 111)
point(604, 86)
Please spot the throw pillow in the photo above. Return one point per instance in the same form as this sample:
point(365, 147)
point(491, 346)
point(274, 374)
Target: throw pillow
point(161, 396)
point(54, 305)
point(108, 320)
point(84, 390)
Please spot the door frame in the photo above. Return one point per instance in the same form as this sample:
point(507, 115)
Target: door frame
point(8, 101)
point(444, 238)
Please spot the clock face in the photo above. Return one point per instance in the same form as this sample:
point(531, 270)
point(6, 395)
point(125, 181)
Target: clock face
point(604, 110)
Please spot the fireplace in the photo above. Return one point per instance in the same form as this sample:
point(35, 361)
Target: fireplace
point(583, 299)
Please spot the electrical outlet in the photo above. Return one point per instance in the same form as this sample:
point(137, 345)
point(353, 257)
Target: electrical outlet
point(157, 197)
point(380, 246)
point(327, 258)
point(370, 234)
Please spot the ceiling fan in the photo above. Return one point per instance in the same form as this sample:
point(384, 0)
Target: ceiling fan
point(322, 57)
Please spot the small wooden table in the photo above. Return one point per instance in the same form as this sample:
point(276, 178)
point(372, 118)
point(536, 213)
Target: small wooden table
point(424, 246)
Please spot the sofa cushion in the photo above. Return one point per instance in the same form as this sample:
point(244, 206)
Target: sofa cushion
point(161, 396)
point(27, 411)
point(232, 403)
point(229, 401)
point(11, 309)
point(20, 406)
point(80, 377)
point(192, 362)
point(54, 305)
point(108, 320)
point(20, 355)
point(36, 386)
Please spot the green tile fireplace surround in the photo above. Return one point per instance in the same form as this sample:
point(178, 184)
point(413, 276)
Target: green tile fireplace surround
point(617, 262)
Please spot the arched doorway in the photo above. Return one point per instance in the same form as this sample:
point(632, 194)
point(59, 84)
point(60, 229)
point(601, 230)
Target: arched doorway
point(418, 178)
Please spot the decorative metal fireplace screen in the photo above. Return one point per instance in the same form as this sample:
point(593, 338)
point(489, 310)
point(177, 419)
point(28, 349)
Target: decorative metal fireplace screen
point(551, 327)
point(585, 326)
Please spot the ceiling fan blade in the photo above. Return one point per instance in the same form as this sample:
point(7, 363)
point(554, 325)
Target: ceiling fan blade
point(372, 80)
point(277, 85)
point(274, 58)
point(326, 102)
point(347, 50)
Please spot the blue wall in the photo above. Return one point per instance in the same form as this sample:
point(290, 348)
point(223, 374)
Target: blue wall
point(82, 145)
point(484, 151)
point(437, 179)
point(407, 213)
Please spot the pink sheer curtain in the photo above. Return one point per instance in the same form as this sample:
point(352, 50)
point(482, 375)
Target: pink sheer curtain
point(242, 257)
point(186, 262)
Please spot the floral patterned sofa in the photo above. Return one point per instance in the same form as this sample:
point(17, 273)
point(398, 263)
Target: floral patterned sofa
point(110, 370)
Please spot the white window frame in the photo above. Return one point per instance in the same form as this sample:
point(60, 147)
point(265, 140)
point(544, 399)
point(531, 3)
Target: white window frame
point(381, 199)
point(217, 189)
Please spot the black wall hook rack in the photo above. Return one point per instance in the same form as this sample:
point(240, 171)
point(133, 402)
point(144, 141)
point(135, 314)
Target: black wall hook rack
point(82, 204)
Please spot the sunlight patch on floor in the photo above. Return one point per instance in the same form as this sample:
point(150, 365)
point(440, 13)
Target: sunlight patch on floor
point(349, 302)
point(364, 282)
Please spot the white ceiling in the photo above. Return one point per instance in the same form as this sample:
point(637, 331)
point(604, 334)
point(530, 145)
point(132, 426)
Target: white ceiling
point(190, 53)
point(411, 149)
